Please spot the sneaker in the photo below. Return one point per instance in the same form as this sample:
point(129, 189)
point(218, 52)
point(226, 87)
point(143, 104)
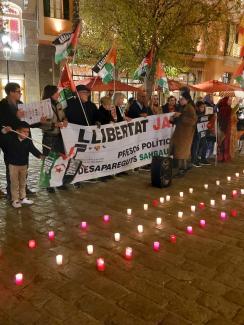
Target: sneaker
point(205, 162)
point(26, 201)
point(196, 164)
point(16, 204)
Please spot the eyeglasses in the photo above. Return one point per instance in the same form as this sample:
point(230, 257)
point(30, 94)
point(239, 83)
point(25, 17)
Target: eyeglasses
point(18, 91)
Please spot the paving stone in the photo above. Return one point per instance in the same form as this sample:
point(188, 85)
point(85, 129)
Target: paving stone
point(184, 289)
point(199, 280)
point(190, 311)
point(236, 296)
point(239, 318)
point(141, 307)
point(219, 305)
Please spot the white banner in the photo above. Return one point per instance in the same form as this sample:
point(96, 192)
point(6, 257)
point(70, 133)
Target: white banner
point(35, 111)
point(95, 152)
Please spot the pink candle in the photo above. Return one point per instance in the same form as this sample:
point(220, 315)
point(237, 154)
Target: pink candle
point(83, 225)
point(19, 279)
point(106, 218)
point(223, 215)
point(32, 243)
point(51, 235)
point(173, 239)
point(100, 264)
point(234, 213)
point(202, 223)
point(189, 229)
point(201, 205)
point(156, 246)
point(128, 253)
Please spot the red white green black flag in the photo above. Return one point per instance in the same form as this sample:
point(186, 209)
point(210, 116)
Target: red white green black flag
point(106, 65)
point(143, 68)
point(161, 79)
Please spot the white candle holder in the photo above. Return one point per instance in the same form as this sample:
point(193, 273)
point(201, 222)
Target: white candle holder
point(167, 198)
point(117, 236)
point(145, 206)
point(129, 212)
point(140, 229)
point(158, 221)
point(180, 214)
point(193, 208)
point(89, 249)
point(161, 200)
point(191, 190)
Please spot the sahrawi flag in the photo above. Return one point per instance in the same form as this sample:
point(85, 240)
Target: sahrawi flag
point(161, 79)
point(239, 74)
point(143, 68)
point(66, 44)
point(67, 85)
point(105, 66)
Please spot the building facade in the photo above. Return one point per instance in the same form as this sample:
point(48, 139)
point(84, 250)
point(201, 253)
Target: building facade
point(19, 33)
point(54, 18)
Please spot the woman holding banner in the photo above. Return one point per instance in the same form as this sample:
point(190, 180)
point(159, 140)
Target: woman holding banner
point(52, 136)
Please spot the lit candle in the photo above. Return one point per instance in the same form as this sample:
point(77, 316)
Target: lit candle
point(100, 264)
point(18, 278)
point(201, 205)
point(89, 249)
point(190, 190)
point(59, 259)
point(168, 198)
point(189, 229)
point(117, 236)
point(228, 178)
point(158, 221)
point(202, 223)
point(223, 215)
point(223, 197)
point(181, 194)
point(161, 199)
point(128, 253)
point(217, 182)
point(234, 213)
point(237, 175)
point(83, 225)
point(180, 214)
point(140, 228)
point(156, 246)
point(193, 208)
point(32, 243)
point(173, 239)
point(51, 235)
point(234, 193)
point(129, 212)
point(242, 191)
point(212, 203)
point(106, 218)
point(206, 186)
point(145, 206)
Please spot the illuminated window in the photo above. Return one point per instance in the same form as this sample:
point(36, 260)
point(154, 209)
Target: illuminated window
point(11, 20)
point(56, 9)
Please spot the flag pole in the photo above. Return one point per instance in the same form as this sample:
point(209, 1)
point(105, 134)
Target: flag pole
point(30, 139)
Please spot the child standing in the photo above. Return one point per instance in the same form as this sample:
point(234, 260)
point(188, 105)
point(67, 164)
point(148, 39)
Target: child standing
point(17, 148)
point(199, 144)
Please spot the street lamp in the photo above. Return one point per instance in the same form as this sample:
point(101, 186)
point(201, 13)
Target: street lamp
point(7, 50)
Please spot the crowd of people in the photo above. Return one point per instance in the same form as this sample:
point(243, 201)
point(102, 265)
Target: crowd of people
point(190, 146)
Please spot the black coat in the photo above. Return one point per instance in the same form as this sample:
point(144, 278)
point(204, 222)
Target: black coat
point(8, 114)
point(135, 110)
point(75, 114)
point(105, 116)
point(120, 117)
point(16, 151)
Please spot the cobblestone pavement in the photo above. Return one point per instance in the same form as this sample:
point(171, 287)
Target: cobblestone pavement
point(197, 280)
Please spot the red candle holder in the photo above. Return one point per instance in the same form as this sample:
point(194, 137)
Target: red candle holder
point(128, 253)
point(100, 264)
point(233, 213)
point(201, 205)
point(32, 243)
point(173, 239)
point(156, 246)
